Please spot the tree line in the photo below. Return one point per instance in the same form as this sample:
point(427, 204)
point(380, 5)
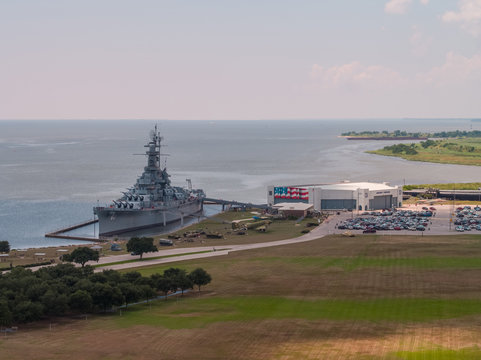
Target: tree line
point(64, 289)
point(456, 134)
point(411, 148)
point(385, 133)
point(399, 133)
point(402, 149)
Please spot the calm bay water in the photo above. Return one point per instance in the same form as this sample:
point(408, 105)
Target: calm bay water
point(53, 172)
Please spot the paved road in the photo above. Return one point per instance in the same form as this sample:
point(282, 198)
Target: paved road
point(440, 225)
point(326, 228)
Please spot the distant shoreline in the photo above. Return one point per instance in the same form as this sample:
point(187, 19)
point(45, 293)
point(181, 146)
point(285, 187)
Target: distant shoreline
point(384, 138)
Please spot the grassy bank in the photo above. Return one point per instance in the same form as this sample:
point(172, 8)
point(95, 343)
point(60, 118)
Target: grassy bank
point(448, 186)
point(366, 297)
point(220, 223)
point(451, 151)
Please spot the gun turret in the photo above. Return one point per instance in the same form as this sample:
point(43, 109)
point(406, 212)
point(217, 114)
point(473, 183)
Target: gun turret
point(127, 195)
point(119, 205)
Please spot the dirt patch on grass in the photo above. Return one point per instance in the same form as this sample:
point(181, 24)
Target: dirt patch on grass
point(382, 346)
point(269, 339)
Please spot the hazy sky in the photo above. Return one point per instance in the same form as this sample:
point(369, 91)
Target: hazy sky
point(110, 59)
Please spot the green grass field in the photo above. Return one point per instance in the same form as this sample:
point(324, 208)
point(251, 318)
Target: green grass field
point(150, 258)
point(459, 154)
point(194, 313)
point(221, 223)
point(472, 353)
point(366, 297)
point(447, 186)
point(351, 264)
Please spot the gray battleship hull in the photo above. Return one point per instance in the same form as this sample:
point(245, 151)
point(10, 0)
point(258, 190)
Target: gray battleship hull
point(115, 221)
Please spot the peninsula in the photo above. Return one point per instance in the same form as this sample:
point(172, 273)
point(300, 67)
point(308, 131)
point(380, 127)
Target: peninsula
point(404, 135)
point(461, 151)
point(384, 135)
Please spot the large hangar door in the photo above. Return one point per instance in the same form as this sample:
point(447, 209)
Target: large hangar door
point(338, 204)
point(381, 202)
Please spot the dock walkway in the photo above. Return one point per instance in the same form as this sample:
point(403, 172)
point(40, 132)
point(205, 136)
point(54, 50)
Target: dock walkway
point(234, 203)
point(60, 233)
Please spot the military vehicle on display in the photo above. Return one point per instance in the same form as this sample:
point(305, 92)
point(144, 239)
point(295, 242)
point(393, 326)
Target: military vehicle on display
point(152, 201)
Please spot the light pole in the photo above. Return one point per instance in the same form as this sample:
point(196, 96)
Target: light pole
point(352, 201)
point(357, 202)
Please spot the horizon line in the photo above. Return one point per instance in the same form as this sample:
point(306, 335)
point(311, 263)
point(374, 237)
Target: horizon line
point(267, 119)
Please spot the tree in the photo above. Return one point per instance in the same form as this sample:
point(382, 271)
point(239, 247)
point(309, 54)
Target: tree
point(105, 296)
point(28, 296)
point(200, 277)
point(6, 316)
point(178, 278)
point(130, 292)
point(184, 282)
point(131, 276)
point(162, 283)
point(26, 311)
point(81, 255)
point(4, 247)
point(54, 303)
point(81, 301)
point(146, 292)
point(139, 246)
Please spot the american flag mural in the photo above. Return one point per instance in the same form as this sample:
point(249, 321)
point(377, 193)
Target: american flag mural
point(285, 192)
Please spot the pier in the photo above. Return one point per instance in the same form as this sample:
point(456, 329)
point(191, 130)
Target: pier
point(59, 234)
point(225, 203)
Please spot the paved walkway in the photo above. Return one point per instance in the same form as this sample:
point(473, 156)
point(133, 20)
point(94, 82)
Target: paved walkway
point(440, 225)
point(326, 228)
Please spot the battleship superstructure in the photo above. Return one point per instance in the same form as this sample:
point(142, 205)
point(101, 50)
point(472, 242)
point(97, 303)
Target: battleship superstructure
point(152, 201)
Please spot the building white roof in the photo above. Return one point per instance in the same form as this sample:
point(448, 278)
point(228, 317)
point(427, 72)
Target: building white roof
point(356, 185)
point(293, 206)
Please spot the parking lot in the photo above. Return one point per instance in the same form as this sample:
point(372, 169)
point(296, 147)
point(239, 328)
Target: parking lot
point(467, 218)
point(442, 221)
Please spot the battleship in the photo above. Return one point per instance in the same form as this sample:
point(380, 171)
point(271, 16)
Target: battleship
point(152, 201)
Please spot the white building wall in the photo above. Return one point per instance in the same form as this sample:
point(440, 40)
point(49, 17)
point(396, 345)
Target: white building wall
point(362, 196)
point(270, 195)
point(314, 197)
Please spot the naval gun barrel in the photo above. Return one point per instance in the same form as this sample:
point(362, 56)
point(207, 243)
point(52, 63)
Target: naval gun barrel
point(127, 195)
